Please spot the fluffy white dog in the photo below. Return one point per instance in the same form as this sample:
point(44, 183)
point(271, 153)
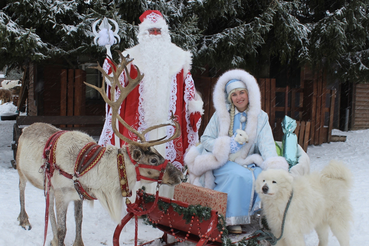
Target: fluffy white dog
point(319, 201)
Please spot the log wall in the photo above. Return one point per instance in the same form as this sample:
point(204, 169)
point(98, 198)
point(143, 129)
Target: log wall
point(360, 107)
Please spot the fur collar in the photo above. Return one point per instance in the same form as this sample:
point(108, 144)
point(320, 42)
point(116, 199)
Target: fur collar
point(222, 106)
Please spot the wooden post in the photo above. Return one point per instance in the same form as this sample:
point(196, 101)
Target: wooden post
point(322, 107)
point(297, 130)
point(293, 103)
point(31, 106)
point(301, 133)
point(70, 93)
point(24, 88)
point(301, 102)
point(63, 93)
point(353, 114)
point(313, 111)
point(267, 98)
point(306, 136)
point(272, 102)
point(79, 92)
point(262, 85)
point(331, 115)
point(286, 101)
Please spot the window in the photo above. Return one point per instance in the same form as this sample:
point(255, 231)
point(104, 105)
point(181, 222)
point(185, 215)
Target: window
point(93, 77)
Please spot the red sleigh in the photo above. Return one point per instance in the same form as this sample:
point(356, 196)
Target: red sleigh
point(194, 223)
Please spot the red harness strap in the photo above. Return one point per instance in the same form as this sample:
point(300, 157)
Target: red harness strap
point(49, 154)
point(123, 180)
point(49, 167)
point(87, 158)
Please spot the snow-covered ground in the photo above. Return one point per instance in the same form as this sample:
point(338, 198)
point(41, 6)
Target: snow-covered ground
point(98, 228)
point(7, 108)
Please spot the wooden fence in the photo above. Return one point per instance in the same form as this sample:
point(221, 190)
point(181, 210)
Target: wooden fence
point(72, 92)
point(313, 103)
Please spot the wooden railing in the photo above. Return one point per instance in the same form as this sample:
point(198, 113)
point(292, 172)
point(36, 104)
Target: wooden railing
point(91, 125)
point(303, 133)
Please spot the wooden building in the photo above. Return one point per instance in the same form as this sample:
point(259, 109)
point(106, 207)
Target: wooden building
point(354, 106)
point(52, 89)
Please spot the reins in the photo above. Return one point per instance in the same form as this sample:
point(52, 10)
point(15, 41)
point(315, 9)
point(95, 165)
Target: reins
point(138, 211)
point(48, 168)
point(269, 235)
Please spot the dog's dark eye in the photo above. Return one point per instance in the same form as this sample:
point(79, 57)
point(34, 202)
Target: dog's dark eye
point(263, 180)
point(274, 182)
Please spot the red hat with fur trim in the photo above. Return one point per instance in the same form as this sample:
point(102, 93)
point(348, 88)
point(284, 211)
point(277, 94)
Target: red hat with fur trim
point(152, 15)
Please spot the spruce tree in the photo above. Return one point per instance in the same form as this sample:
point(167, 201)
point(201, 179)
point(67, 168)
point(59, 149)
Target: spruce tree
point(36, 30)
point(221, 34)
point(339, 39)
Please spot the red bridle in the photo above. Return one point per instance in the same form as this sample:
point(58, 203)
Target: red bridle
point(160, 168)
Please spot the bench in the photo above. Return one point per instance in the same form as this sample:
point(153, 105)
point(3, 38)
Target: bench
point(92, 125)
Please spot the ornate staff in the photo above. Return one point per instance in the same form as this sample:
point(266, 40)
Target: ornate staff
point(106, 36)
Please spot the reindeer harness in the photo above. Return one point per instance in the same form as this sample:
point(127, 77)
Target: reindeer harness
point(87, 158)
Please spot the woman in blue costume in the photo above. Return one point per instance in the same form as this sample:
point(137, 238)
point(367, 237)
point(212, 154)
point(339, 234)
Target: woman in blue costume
point(236, 146)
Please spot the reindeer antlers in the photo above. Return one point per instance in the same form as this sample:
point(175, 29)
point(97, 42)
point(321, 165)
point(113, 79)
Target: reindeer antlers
point(115, 104)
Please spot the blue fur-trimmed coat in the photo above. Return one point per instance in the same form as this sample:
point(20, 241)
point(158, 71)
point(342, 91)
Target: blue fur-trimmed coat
point(214, 150)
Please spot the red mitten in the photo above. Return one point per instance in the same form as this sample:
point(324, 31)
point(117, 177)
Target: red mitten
point(194, 118)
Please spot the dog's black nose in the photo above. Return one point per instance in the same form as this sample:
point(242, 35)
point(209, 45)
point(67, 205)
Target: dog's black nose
point(265, 189)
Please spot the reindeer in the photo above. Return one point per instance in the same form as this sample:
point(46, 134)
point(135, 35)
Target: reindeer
point(106, 181)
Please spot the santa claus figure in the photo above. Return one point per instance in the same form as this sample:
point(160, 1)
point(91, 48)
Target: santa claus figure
point(167, 87)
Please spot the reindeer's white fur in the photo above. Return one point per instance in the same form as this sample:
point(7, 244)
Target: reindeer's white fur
point(101, 182)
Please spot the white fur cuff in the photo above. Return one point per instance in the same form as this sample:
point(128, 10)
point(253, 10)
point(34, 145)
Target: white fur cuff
point(198, 163)
point(196, 106)
point(190, 156)
point(277, 162)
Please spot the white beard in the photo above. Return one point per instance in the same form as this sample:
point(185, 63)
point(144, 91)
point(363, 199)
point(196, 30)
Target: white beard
point(156, 88)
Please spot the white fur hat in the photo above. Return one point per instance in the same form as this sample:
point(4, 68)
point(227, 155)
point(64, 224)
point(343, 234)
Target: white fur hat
point(234, 84)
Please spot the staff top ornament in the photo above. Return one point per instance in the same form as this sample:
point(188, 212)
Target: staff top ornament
point(106, 36)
